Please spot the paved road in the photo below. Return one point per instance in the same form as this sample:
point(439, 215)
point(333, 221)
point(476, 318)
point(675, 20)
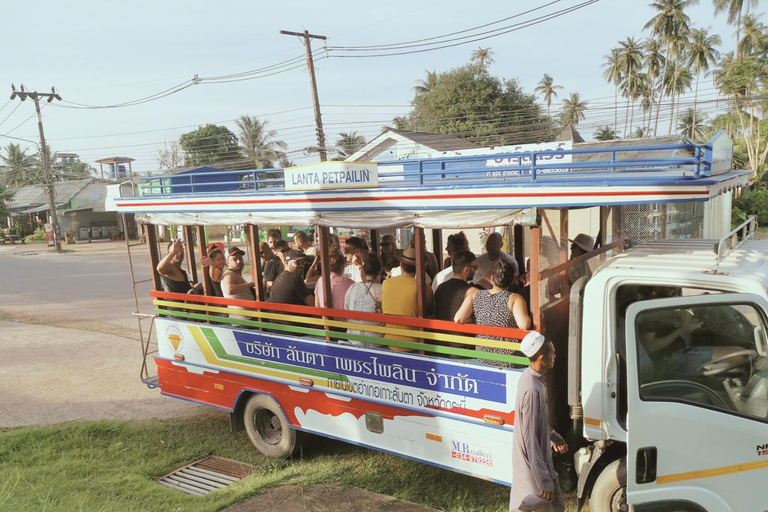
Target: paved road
point(70, 348)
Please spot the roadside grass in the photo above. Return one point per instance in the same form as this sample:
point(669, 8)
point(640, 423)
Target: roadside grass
point(108, 466)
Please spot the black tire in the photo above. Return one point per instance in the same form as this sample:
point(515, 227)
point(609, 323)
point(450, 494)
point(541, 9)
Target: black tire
point(610, 490)
point(268, 428)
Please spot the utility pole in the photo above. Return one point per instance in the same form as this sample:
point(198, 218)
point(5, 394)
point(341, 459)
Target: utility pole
point(311, 66)
point(35, 96)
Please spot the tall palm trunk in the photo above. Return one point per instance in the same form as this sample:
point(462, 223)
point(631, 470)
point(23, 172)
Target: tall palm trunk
point(696, 96)
point(626, 117)
point(632, 116)
point(615, 109)
point(661, 92)
point(672, 99)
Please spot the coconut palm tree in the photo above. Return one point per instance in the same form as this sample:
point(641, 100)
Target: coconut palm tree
point(604, 133)
point(19, 168)
point(701, 54)
point(484, 58)
point(612, 74)
point(653, 52)
point(348, 143)
point(691, 125)
point(670, 25)
point(630, 62)
point(258, 142)
point(425, 86)
point(548, 90)
point(755, 38)
point(734, 10)
point(573, 110)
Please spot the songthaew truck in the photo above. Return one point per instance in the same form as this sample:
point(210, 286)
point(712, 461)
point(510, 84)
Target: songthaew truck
point(661, 381)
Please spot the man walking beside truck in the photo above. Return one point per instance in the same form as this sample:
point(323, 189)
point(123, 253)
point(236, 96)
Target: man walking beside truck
point(535, 486)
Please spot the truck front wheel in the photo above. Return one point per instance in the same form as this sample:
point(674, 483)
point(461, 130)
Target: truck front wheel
point(610, 490)
point(268, 428)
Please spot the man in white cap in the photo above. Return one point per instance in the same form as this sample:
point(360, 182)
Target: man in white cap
point(535, 485)
point(582, 244)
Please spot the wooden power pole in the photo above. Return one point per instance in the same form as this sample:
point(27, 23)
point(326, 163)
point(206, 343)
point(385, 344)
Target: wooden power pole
point(311, 66)
point(49, 181)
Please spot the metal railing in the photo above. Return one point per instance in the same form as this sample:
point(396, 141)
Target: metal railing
point(489, 169)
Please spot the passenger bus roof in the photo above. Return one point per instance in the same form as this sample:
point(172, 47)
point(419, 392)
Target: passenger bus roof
point(450, 192)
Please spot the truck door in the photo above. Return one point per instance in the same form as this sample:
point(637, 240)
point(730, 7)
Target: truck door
point(697, 423)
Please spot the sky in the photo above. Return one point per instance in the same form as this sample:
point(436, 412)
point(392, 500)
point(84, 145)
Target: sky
point(106, 53)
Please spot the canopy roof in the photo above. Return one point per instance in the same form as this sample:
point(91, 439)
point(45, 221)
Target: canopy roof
point(458, 192)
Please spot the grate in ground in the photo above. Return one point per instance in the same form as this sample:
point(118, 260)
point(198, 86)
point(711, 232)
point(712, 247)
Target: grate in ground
point(206, 475)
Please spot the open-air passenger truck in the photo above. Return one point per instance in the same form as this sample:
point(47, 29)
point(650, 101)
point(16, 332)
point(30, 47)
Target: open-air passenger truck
point(695, 441)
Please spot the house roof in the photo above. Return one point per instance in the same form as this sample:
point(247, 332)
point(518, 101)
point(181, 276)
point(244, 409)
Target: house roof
point(570, 133)
point(37, 195)
point(436, 141)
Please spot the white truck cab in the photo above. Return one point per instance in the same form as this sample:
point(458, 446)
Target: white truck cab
point(674, 379)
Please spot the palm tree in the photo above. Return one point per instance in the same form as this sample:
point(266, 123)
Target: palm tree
point(670, 26)
point(349, 143)
point(630, 61)
point(258, 142)
point(548, 89)
point(734, 8)
point(573, 110)
point(653, 51)
point(612, 74)
point(701, 54)
point(692, 126)
point(640, 133)
point(19, 168)
point(754, 38)
point(400, 123)
point(484, 58)
point(604, 133)
point(285, 162)
point(427, 85)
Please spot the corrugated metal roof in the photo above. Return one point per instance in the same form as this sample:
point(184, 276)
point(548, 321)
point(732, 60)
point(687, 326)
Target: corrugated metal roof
point(36, 194)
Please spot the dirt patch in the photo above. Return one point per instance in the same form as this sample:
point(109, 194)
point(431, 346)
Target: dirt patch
point(333, 497)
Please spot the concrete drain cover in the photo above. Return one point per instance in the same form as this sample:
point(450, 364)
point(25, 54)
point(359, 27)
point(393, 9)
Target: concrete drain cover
point(207, 475)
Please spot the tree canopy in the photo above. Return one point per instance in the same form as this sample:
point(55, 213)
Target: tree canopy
point(484, 108)
point(209, 144)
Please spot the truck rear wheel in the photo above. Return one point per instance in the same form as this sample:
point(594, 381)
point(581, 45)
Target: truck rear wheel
point(268, 428)
point(610, 490)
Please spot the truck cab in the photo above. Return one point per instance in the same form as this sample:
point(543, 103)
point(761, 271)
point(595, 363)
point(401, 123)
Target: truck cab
point(674, 378)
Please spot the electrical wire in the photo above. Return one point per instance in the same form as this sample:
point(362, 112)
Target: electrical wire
point(461, 40)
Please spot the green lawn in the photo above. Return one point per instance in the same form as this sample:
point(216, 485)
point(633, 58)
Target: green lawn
point(113, 466)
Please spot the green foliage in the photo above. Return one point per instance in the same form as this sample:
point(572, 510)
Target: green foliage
point(754, 202)
point(37, 236)
point(5, 197)
point(479, 106)
point(19, 168)
point(208, 145)
point(259, 143)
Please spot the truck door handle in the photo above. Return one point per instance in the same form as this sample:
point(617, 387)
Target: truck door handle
point(645, 465)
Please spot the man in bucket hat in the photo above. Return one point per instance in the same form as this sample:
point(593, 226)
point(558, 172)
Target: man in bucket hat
point(535, 486)
point(399, 297)
point(582, 244)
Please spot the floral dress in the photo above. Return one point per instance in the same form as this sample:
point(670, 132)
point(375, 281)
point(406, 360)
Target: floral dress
point(493, 310)
point(364, 297)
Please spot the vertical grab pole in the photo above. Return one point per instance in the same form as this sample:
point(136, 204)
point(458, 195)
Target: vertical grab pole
point(189, 247)
point(437, 247)
point(325, 270)
point(203, 244)
point(565, 285)
point(154, 256)
point(375, 241)
point(421, 284)
point(256, 271)
point(535, 297)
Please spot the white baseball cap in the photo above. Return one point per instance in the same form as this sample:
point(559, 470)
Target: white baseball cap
point(531, 344)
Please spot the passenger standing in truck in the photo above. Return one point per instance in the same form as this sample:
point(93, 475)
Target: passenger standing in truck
point(535, 485)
